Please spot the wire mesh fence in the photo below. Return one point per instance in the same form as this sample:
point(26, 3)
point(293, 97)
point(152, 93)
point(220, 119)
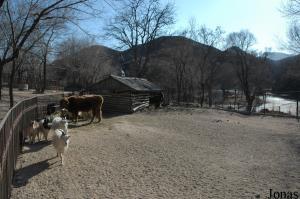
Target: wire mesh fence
point(274, 106)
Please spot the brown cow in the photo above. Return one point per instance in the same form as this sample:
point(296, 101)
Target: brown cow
point(74, 104)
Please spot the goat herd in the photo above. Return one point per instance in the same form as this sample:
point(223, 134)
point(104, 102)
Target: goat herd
point(71, 108)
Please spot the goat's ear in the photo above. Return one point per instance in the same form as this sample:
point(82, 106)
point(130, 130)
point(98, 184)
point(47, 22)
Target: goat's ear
point(68, 136)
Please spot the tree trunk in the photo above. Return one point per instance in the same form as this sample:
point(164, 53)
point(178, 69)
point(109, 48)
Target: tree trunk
point(44, 76)
point(178, 95)
point(1, 74)
point(1, 3)
point(223, 94)
point(202, 95)
point(11, 81)
point(250, 100)
point(210, 96)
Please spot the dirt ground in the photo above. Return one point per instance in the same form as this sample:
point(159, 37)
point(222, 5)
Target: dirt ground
point(167, 154)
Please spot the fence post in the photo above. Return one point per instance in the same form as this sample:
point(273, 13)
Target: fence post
point(297, 110)
point(234, 98)
point(36, 109)
point(265, 99)
point(22, 127)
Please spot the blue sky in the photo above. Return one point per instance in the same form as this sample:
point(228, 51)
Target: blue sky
point(261, 17)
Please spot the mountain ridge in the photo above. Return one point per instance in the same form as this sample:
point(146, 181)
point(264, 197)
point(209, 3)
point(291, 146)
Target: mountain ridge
point(162, 51)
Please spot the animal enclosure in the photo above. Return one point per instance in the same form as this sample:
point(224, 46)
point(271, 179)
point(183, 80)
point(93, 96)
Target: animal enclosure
point(11, 135)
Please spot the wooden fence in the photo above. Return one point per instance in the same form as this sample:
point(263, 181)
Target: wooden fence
point(11, 135)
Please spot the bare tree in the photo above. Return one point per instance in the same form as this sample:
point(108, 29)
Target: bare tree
point(182, 61)
point(85, 62)
point(293, 35)
point(136, 24)
point(1, 3)
point(14, 27)
point(70, 58)
point(43, 50)
point(27, 18)
point(33, 65)
point(16, 65)
point(72, 45)
point(208, 62)
point(249, 68)
point(291, 9)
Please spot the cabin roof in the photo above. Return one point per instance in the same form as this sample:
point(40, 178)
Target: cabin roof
point(137, 84)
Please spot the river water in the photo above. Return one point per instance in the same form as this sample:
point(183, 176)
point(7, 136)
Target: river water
point(275, 103)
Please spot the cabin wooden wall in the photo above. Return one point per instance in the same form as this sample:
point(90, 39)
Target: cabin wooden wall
point(117, 104)
point(125, 103)
point(119, 98)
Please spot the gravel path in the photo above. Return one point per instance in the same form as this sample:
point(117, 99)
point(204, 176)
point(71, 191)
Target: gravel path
point(167, 154)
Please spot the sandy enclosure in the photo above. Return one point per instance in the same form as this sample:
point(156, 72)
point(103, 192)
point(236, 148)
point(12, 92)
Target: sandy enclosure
point(167, 154)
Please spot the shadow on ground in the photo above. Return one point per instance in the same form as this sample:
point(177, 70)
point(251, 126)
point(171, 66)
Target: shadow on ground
point(29, 148)
point(82, 122)
point(78, 124)
point(111, 115)
point(23, 175)
point(295, 144)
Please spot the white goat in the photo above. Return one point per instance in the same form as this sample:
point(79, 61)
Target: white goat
point(32, 131)
point(59, 123)
point(60, 142)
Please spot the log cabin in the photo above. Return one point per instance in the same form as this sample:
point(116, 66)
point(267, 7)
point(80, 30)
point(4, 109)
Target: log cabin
point(126, 94)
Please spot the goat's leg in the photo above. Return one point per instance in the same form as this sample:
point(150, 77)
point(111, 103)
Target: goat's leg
point(32, 139)
point(46, 135)
point(62, 159)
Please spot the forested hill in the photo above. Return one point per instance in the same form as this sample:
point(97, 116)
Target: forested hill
point(90, 64)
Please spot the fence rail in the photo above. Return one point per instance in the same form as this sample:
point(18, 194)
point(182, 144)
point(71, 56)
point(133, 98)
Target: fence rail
point(12, 129)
